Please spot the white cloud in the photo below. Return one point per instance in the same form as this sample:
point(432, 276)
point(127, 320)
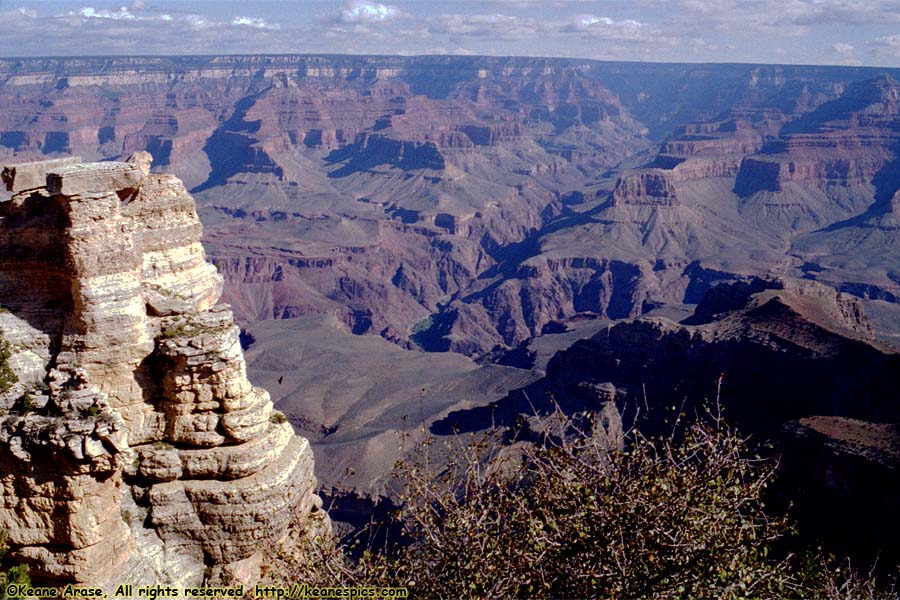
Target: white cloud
point(363, 11)
point(254, 22)
point(842, 49)
point(496, 26)
point(196, 22)
point(892, 41)
point(774, 17)
point(115, 15)
point(581, 32)
point(591, 20)
point(706, 30)
point(125, 14)
point(887, 46)
point(845, 53)
point(843, 12)
point(525, 29)
point(607, 28)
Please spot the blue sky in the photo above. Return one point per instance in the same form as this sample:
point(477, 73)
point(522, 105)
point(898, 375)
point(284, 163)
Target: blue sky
point(854, 32)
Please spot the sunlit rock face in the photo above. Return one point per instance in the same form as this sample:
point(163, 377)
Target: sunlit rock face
point(132, 442)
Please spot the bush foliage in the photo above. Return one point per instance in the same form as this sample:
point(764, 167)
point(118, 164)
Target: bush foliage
point(7, 376)
point(673, 516)
point(15, 574)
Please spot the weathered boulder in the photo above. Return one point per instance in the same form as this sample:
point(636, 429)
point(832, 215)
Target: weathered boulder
point(22, 177)
point(94, 178)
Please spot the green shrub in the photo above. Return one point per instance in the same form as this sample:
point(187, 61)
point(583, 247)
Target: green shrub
point(181, 330)
point(7, 376)
point(26, 404)
point(15, 573)
point(189, 329)
point(676, 516)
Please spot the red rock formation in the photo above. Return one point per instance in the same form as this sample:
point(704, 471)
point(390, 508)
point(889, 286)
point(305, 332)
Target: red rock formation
point(649, 187)
point(844, 142)
point(697, 151)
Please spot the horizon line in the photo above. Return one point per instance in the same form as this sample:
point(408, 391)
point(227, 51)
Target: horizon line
point(450, 56)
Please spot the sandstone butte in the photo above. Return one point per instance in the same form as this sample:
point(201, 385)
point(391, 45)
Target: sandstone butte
point(132, 445)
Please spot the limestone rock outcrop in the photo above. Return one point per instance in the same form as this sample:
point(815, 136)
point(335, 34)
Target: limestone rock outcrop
point(653, 187)
point(131, 441)
point(697, 151)
point(847, 141)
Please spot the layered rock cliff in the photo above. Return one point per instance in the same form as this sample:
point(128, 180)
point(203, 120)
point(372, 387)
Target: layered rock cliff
point(845, 141)
point(131, 442)
point(487, 196)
